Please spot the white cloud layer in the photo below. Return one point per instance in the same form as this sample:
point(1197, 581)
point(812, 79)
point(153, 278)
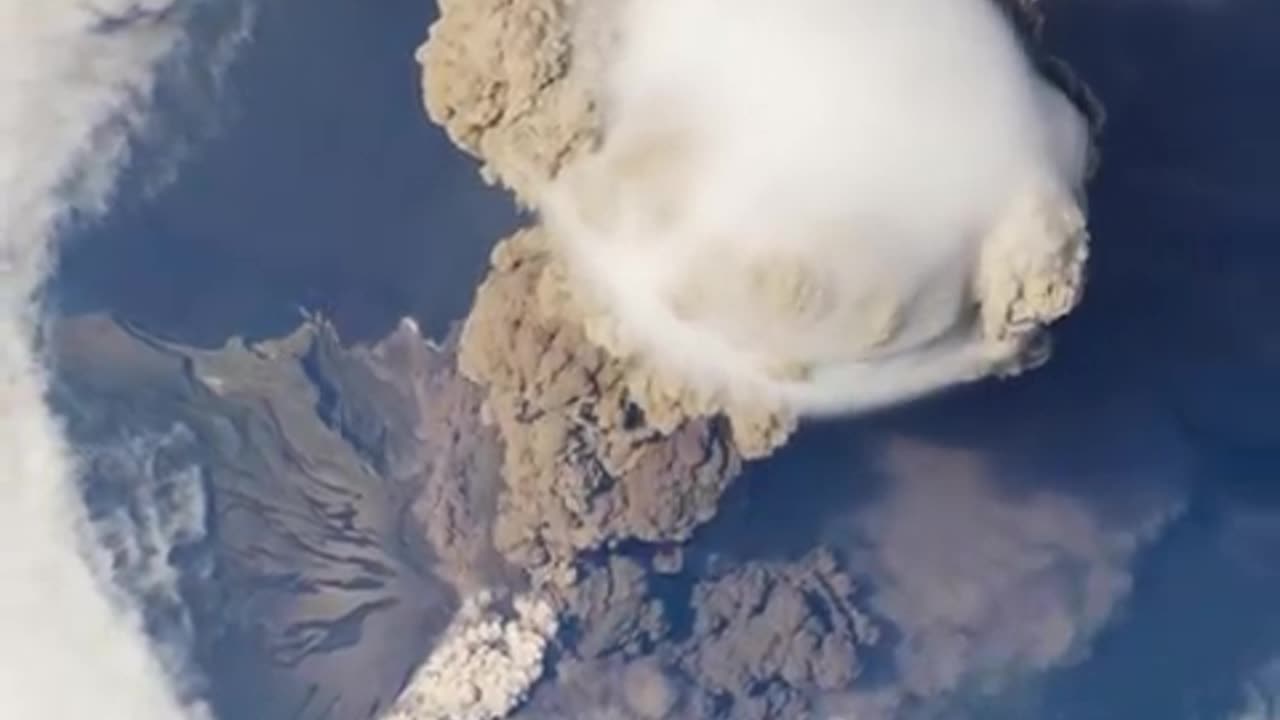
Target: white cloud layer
point(836, 204)
point(76, 78)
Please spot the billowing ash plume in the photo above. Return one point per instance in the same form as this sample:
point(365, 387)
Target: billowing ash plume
point(832, 204)
point(76, 80)
point(746, 213)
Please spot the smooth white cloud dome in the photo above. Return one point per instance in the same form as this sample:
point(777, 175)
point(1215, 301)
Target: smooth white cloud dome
point(823, 201)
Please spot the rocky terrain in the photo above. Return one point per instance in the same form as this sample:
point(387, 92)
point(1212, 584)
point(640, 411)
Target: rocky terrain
point(312, 586)
point(328, 510)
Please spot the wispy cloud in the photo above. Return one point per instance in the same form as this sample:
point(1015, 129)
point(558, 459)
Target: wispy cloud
point(1261, 695)
point(148, 499)
point(77, 78)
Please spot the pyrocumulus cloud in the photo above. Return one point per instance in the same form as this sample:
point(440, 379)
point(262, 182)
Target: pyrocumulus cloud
point(76, 77)
point(834, 204)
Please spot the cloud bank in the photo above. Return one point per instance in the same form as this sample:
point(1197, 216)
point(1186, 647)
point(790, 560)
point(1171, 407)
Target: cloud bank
point(834, 204)
point(76, 80)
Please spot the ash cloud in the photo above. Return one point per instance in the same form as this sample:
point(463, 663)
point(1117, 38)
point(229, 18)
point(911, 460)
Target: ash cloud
point(821, 206)
point(752, 639)
point(613, 439)
point(77, 79)
point(994, 561)
point(563, 394)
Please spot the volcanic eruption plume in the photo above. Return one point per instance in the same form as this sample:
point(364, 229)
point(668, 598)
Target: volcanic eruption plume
point(835, 205)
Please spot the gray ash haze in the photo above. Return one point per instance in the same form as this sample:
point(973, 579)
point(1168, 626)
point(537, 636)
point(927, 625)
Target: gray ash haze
point(324, 396)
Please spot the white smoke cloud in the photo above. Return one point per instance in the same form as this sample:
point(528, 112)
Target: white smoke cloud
point(835, 204)
point(76, 78)
point(485, 665)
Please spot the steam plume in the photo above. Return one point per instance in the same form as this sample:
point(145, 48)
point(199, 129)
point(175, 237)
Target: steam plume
point(834, 204)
